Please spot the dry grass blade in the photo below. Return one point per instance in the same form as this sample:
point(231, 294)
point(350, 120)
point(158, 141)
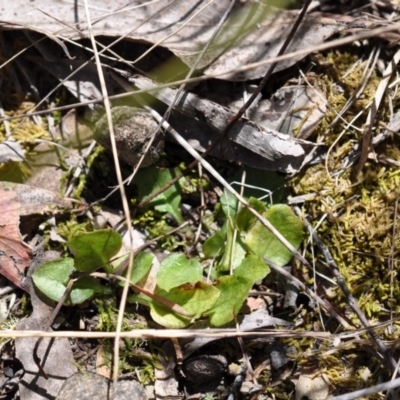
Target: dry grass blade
point(125, 205)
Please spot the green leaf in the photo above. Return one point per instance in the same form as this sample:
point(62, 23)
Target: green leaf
point(245, 219)
point(252, 268)
point(167, 318)
point(229, 204)
point(177, 270)
point(262, 242)
point(51, 278)
point(85, 288)
point(93, 250)
point(150, 180)
point(234, 252)
point(141, 266)
point(215, 244)
point(195, 299)
point(234, 290)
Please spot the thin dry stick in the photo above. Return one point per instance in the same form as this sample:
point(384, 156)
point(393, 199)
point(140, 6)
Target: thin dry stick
point(124, 199)
point(159, 299)
point(352, 302)
point(193, 333)
point(168, 333)
point(391, 255)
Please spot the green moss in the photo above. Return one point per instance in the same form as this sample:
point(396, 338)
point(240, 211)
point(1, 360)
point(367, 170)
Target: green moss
point(357, 223)
point(71, 227)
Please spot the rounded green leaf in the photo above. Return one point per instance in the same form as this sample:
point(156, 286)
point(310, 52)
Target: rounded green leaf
point(52, 277)
point(229, 204)
point(215, 244)
point(93, 250)
point(245, 219)
point(85, 288)
point(252, 268)
point(150, 180)
point(262, 242)
point(177, 270)
point(141, 266)
point(195, 299)
point(234, 291)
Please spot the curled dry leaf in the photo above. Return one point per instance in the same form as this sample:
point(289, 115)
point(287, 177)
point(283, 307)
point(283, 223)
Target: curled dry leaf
point(20, 200)
point(253, 32)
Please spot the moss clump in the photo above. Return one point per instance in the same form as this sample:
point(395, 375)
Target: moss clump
point(357, 221)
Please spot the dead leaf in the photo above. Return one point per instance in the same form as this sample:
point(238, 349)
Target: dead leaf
point(20, 200)
point(265, 41)
point(253, 32)
point(15, 255)
point(102, 366)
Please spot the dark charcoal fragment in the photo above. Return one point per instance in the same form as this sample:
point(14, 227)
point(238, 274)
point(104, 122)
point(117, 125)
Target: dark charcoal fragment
point(201, 369)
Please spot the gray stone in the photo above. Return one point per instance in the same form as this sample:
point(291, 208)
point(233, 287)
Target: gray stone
point(90, 386)
point(133, 130)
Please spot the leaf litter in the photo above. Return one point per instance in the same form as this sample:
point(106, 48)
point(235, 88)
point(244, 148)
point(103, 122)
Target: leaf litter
point(307, 124)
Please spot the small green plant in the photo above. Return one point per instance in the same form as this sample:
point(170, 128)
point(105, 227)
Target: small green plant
point(149, 180)
point(92, 251)
point(235, 257)
point(238, 251)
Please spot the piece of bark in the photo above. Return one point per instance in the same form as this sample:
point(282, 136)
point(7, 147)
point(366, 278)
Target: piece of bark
point(200, 121)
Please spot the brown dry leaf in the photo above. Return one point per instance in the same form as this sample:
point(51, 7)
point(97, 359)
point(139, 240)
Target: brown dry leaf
point(102, 367)
point(20, 200)
point(15, 255)
point(265, 41)
point(253, 32)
